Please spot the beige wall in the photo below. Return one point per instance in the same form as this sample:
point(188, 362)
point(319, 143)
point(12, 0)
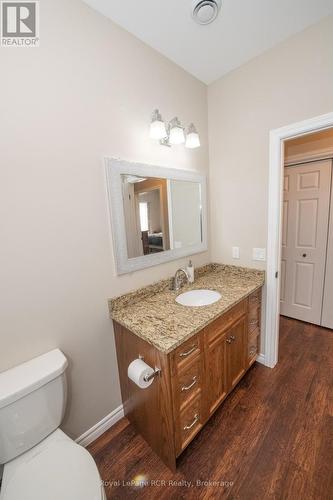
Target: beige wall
point(88, 91)
point(290, 82)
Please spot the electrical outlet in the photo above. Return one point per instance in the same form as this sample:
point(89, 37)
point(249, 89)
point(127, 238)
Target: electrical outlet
point(259, 254)
point(235, 252)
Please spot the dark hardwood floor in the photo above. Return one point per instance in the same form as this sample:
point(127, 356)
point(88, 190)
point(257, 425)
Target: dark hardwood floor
point(271, 439)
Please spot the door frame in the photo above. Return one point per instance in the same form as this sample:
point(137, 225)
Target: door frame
point(274, 230)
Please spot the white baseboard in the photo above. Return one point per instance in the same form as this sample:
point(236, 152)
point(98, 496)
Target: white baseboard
point(261, 359)
point(98, 429)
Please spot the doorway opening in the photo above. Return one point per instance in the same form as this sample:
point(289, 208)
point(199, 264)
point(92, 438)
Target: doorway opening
point(277, 195)
point(307, 229)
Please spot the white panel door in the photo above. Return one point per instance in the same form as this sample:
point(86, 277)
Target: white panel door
point(306, 204)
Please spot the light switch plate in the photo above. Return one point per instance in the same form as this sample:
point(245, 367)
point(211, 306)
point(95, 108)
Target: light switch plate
point(235, 252)
point(259, 254)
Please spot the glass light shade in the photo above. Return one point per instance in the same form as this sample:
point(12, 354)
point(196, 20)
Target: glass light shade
point(176, 135)
point(192, 138)
point(158, 130)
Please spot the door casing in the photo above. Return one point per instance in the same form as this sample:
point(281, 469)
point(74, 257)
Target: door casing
point(274, 229)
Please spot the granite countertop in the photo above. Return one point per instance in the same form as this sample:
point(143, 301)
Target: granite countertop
point(153, 314)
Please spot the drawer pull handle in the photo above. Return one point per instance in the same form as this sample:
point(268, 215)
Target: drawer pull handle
point(187, 427)
point(188, 387)
point(228, 341)
point(232, 337)
point(193, 348)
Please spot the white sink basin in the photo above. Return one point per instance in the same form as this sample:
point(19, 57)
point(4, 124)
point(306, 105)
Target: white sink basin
point(198, 298)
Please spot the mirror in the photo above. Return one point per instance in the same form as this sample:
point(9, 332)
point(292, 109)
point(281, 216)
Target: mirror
point(160, 214)
point(157, 214)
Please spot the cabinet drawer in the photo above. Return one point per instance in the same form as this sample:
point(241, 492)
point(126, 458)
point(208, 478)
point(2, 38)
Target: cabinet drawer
point(189, 382)
point(186, 352)
point(223, 322)
point(253, 345)
point(190, 423)
point(253, 318)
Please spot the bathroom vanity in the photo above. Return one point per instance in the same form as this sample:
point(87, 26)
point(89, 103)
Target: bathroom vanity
point(202, 353)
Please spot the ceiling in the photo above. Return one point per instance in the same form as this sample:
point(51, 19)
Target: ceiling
point(243, 29)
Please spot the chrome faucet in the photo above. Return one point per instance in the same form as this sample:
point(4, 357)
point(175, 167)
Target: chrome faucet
point(176, 280)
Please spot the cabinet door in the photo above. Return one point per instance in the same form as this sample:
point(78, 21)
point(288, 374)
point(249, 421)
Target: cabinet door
point(216, 374)
point(236, 352)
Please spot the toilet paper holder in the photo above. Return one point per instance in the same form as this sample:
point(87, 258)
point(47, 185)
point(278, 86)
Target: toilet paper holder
point(157, 371)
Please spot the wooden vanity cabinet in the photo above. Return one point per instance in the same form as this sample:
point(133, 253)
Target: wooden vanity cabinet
point(235, 353)
point(225, 354)
point(216, 373)
point(254, 320)
point(195, 377)
point(150, 410)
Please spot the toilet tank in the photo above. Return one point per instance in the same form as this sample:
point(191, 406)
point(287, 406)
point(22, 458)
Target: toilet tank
point(32, 403)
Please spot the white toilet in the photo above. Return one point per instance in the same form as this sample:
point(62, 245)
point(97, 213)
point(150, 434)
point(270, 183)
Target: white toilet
point(40, 461)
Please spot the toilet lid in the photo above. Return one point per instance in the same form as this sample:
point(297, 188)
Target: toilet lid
point(63, 470)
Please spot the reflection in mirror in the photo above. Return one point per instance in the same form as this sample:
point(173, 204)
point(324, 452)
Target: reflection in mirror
point(146, 215)
point(185, 213)
point(160, 214)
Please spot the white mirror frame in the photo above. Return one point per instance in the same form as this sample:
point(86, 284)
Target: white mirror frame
point(114, 170)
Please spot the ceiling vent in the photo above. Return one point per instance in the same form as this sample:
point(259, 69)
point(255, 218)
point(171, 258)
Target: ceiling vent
point(205, 11)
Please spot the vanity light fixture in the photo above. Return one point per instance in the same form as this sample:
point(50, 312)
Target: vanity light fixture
point(173, 133)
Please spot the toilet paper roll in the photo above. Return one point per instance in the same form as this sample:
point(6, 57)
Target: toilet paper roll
point(137, 370)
